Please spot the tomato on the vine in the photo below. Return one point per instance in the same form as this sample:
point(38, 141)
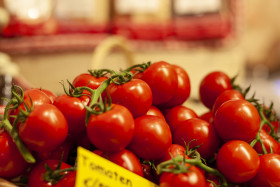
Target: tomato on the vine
point(183, 90)
point(268, 173)
point(269, 142)
point(173, 150)
point(154, 111)
point(12, 163)
point(152, 137)
point(176, 115)
point(73, 109)
point(192, 178)
point(112, 130)
point(212, 85)
point(87, 79)
point(197, 132)
point(237, 120)
point(125, 159)
point(135, 95)
point(226, 96)
point(162, 79)
point(44, 129)
point(238, 161)
point(38, 175)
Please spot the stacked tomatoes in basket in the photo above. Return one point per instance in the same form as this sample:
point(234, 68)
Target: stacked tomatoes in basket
point(136, 119)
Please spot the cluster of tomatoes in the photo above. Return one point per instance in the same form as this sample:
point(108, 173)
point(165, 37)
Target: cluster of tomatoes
point(136, 119)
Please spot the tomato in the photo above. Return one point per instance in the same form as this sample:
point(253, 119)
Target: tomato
point(163, 81)
point(36, 177)
point(192, 178)
point(135, 95)
point(125, 159)
point(202, 132)
point(176, 115)
point(269, 143)
point(55, 154)
point(268, 173)
point(183, 90)
point(12, 163)
point(152, 137)
point(50, 94)
point(86, 79)
point(207, 116)
point(226, 96)
point(238, 161)
point(154, 111)
point(173, 150)
point(44, 129)
point(73, 109)
point(111, 130)
point(237, 120)
point(211, 86)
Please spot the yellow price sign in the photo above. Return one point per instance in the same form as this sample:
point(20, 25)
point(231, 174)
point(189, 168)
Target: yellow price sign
point(96, 171)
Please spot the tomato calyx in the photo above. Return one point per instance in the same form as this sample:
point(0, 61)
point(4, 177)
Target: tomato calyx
point(177, 165)
point(101, 72)
point(54, 176)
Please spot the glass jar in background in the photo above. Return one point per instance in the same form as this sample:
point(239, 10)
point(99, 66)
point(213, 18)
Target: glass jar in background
point(146, 19)
point(30, 17)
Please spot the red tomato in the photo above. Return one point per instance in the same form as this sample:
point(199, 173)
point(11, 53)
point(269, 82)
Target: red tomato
point(36, 177)
point(207, 116)
point(163, 81)
point(135, 95)
point(73, 109)
point(86, 79)
point(154, 111)
point(125, 159)
point(12, 163)
point(202, 132)
point(238, 161)
point(183, 90)
point(112, 130)
point(173, 150)
point(268, 173)
point(50, 94)
point(226, 96)
point(269, 143)
point(55, 154)
point(176, 115)
point(44, 129)
point(152, 137)
point(192, 178)
point(211, 86)
point(237, 120)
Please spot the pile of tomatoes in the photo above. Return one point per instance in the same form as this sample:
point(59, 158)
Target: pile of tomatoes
point(137, 119)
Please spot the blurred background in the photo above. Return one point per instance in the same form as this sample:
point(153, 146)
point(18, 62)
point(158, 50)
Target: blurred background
point(47, 41)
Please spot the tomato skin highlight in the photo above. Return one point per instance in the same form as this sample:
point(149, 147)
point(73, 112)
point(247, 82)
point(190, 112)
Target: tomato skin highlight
point(192, 178)
point(211, 86)
point(268, 173)
point(162, 79)
point(237, 161)
point(151, 139)
point(44, 129)
point(112, 130)
point(135, 95)
point(237, 120)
